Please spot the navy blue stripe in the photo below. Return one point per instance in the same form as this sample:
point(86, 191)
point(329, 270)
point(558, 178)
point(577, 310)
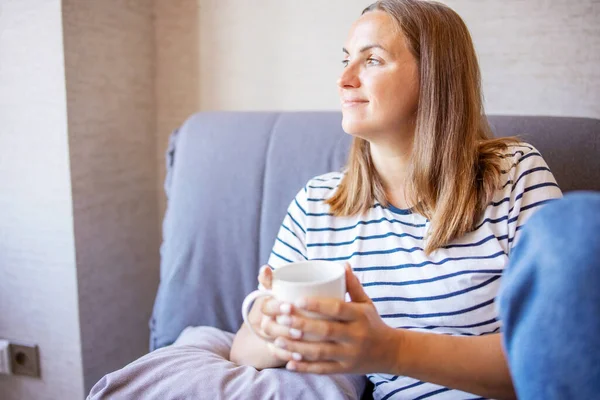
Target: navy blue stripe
point(441, 314)
point(445, 260)
point(512, 154)
point(372, 253)
point(280, 256)
point(311, 214)
point(312, 199)
point(426, 395)
point(289, 230)
point(373, 221)
point(393, 392)
point(528, 189)
point(528, 206)
point(482, 333)
point(320, 187)
point(430, 327)
point(528, 172)
point(292, 247)
point(519, 161)
point(334, 178)
point(496, 204)
point(482, 241)
point(525, 191)
point(539, 203)
point(438, 297)
point(296, 222)
point(510, 181)
point(437, 278)
point(386, 381)
point(399, 235)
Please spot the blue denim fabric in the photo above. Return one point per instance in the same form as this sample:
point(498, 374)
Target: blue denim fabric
point(550, 302)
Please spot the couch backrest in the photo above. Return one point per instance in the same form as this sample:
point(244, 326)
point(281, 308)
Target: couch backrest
point(231, 176)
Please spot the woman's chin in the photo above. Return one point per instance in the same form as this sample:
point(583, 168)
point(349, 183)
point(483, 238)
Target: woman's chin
point(353, 127)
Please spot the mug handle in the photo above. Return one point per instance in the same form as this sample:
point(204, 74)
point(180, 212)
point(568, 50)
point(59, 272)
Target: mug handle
point(248, 301)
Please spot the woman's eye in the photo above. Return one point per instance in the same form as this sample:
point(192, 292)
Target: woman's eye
point(345, 62)
point(373, 61)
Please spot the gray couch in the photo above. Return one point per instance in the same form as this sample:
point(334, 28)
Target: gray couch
point(231, 176)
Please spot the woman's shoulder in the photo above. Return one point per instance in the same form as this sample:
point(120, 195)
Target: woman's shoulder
point(317, 190)
point(323, 186)
point(521, 156)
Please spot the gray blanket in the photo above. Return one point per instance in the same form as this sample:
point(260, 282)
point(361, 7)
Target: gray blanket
point(196, 366)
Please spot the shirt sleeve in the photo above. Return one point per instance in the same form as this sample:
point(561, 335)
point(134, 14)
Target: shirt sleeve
point(532, 185)
point(290, 244)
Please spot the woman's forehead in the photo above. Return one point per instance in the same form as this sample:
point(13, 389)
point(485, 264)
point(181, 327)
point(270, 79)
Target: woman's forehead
point(375, 28)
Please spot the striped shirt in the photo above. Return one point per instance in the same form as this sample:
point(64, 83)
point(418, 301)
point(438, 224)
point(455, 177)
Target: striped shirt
point(450, 291)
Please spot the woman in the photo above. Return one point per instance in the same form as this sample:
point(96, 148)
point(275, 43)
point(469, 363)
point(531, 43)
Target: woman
point(426, 215)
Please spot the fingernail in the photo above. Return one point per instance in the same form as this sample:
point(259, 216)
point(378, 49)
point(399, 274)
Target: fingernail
point(285, 308)
point(291, 366)
point(295, 333)
point(284, 320)
point(279, 342)
point(297, 356)
point(300, 303)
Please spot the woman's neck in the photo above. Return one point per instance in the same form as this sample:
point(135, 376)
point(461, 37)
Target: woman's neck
point(392, 165)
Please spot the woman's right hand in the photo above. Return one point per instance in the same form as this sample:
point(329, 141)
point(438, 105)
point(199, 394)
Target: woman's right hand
point(265, 309)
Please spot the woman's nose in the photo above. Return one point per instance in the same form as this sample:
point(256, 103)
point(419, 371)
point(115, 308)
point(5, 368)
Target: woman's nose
point(348, 78)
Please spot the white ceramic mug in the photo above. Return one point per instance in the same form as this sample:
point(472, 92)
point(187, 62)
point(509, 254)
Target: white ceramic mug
point(299, 280)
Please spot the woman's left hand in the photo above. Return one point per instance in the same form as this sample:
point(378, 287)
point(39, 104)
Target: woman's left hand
point(354, 340)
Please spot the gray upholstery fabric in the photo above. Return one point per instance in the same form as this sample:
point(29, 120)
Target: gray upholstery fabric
point(231, 176)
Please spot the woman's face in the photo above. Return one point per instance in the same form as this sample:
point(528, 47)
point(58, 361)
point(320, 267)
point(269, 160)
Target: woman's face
point(379, 85)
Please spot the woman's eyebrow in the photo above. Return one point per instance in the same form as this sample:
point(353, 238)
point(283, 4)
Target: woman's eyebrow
point(366, 48)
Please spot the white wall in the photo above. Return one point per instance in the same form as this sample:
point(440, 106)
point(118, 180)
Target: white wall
point(537, 56)
point(38, 278)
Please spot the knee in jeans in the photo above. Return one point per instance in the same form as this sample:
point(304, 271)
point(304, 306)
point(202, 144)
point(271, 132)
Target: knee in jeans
point(569, 231)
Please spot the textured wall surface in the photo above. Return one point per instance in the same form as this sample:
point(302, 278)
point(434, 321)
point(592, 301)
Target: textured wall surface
point(38, 288)
point(177, 73)
point(537, 56)
point(109, 63)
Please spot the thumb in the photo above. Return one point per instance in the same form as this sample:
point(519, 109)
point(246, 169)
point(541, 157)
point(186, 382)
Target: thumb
point(354, 288)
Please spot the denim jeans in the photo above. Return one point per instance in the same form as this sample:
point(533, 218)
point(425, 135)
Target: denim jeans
point(550, 302)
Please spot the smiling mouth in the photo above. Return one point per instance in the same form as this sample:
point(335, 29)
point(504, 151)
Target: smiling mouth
point(353, 103)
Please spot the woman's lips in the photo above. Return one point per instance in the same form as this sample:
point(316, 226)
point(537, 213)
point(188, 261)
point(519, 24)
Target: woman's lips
point(353, 103)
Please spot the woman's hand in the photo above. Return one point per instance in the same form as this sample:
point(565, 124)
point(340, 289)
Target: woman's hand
point(265, 312)
point(354, 340)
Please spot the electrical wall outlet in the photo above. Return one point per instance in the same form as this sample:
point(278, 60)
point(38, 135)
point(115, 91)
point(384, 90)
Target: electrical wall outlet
point(24, 359)
point(19, 359)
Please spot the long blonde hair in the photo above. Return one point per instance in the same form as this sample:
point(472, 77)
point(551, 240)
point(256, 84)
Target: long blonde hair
point(456, 164)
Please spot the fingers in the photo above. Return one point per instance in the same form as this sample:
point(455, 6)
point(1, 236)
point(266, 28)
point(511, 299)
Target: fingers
point(318, 329)
point(308, 351)
point(322, 367)
point(354, 287)
point(265, 276)
point(274, 308)
point(272, 329)
point(331, 308)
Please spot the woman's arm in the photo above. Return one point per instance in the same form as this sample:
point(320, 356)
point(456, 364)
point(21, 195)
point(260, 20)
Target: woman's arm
point(472, 364)
point(248, 349)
